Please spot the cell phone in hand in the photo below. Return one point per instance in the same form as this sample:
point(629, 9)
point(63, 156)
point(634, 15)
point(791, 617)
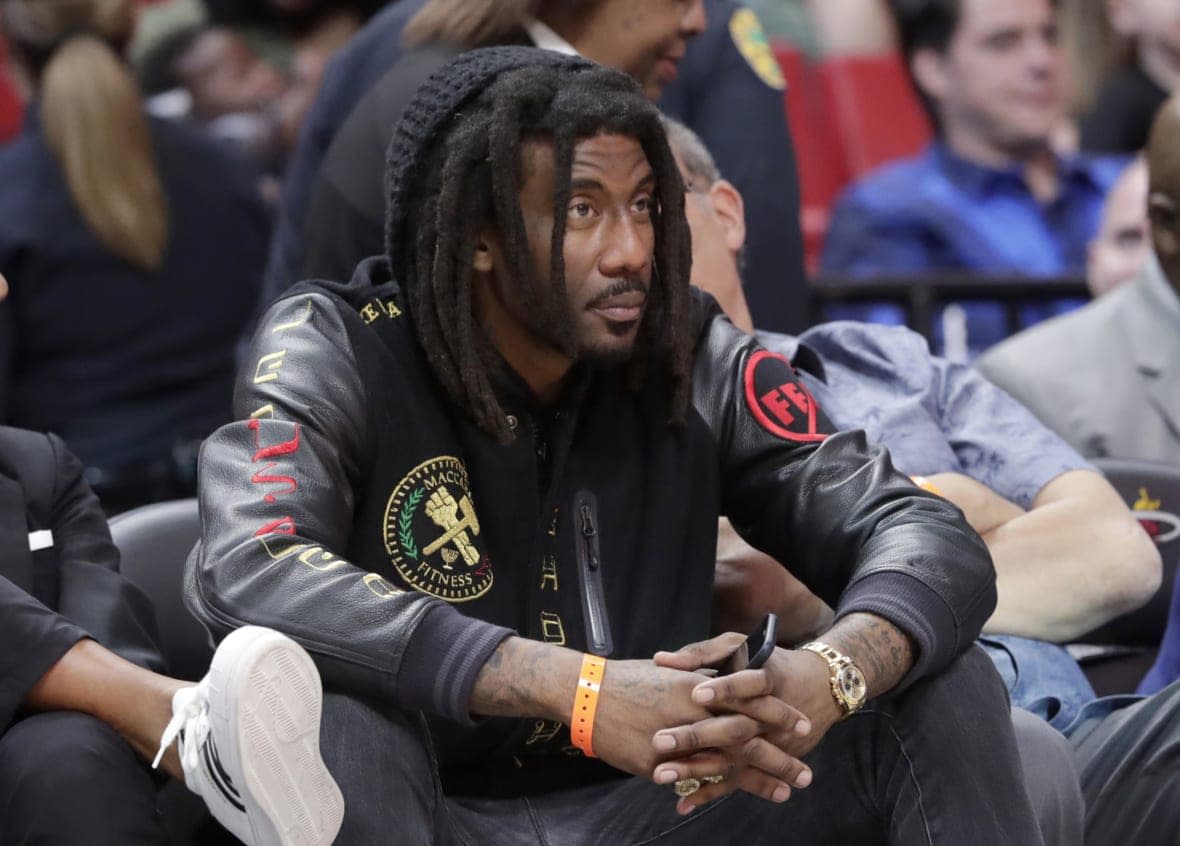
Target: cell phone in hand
point(755, 649)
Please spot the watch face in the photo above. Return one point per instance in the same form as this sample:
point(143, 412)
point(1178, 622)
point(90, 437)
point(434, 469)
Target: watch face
point(852, 685)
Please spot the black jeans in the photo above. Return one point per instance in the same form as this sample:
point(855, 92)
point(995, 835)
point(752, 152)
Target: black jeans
point(1130, 769)
point(935, 764)
point(68, 778)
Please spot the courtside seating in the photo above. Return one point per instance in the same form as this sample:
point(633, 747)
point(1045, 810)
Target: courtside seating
point(154, 541)
point(875, 113)
point(12, 110)
point(1116, 655)
point(822, 173)
point(847, 115)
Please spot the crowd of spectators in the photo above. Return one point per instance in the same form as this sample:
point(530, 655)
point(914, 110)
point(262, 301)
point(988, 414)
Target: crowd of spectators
point(176, 166)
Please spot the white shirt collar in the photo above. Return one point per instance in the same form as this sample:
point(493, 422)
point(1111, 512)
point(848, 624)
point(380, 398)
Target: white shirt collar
point(545, 38)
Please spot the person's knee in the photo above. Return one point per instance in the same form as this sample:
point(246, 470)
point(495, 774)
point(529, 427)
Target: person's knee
point(354, 729)
point(965, 705)
point(60, 753)
point(974, 671)
point(110, 792)
point(382, 761)
point(970, 683)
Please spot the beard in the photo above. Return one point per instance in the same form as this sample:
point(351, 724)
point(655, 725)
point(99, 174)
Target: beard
point(549, 314)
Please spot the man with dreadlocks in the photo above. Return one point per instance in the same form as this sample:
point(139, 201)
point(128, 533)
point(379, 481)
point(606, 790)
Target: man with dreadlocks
point(480, 483)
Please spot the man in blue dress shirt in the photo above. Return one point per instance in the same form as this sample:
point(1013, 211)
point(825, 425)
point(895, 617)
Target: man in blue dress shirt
point(989, 195)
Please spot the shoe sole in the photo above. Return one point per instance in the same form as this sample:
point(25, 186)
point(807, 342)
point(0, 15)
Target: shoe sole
point(275, 719)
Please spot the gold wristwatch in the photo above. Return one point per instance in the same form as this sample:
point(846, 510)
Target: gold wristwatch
point(848, 682)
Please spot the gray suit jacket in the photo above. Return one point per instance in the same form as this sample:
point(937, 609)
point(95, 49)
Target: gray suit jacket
point(1106, 377)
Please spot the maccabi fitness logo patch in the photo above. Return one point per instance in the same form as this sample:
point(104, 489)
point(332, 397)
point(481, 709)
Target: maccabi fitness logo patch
point(432, 532)
point(778, 401)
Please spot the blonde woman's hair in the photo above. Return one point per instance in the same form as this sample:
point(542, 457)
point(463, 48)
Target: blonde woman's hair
point(468, 24)
point(93, 119)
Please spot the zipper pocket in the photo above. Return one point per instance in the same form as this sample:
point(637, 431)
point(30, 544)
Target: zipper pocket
point(590, 573)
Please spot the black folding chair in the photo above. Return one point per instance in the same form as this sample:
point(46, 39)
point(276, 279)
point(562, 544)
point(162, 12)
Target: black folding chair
point(154, 541)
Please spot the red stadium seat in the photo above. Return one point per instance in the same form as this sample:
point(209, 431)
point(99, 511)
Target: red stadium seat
point(876, 114)
point(12, 110)
point(822, 172)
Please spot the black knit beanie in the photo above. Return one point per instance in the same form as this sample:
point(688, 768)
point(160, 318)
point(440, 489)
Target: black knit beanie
point(427, 119)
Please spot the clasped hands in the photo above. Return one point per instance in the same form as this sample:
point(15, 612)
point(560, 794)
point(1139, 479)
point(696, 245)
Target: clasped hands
point(665, 720)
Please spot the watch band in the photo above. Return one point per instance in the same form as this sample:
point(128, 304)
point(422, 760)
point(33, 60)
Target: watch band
point(838, 662)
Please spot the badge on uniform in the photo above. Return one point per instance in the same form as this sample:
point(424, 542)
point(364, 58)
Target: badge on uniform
point(750, 39)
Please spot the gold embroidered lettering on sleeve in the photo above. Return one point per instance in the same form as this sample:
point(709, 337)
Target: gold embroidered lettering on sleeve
point(267, 411)
point(327, 561)
point(552, 630)
point(269, 366)
point(391, 309)
point(298, 321)
point(281, 548)
point(380, 587)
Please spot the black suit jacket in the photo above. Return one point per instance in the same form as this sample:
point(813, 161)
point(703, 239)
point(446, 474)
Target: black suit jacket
point(70, 588)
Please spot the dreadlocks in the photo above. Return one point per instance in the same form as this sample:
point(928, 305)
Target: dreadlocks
point(470, 175)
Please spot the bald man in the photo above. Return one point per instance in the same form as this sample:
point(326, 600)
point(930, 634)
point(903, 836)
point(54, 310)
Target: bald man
point(1107, 377)
point(1123, 242)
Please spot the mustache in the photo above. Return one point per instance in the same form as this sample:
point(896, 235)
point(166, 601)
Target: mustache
point(622, 286)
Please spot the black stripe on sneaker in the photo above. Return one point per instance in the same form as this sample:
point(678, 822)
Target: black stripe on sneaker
point(220, 779)
point(216, 759)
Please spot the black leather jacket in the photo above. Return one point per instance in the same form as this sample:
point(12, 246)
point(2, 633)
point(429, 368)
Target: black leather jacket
point(354, 507)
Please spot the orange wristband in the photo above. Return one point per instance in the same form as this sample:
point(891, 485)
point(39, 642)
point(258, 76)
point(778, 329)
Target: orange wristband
point(586, 703)
point(926, 485)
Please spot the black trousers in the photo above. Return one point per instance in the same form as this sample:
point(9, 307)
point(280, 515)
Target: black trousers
point(935, 764)
point(1130, 769)
point(68, 778)
point(65, 777)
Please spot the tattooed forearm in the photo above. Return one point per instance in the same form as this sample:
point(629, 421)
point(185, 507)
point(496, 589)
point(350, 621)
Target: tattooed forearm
point(882, 651)
point(525, 678)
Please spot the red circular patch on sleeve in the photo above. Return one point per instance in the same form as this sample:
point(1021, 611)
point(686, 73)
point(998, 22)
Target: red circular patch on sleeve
point(778, 400)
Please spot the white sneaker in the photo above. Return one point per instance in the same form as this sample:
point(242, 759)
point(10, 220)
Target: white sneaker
point(249, 742)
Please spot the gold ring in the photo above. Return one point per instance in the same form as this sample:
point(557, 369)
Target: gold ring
point(688, 786)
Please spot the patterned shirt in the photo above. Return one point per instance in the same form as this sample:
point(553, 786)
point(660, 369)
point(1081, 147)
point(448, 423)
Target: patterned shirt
point(934, 415)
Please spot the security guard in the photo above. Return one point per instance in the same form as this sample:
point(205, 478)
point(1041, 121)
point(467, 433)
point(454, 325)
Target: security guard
point(730, 93)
